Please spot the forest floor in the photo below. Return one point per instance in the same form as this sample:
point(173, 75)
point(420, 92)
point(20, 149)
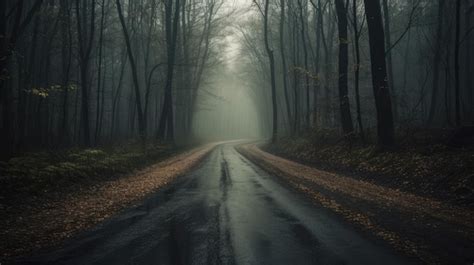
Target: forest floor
point(436, 164)
point(418, 197)
point(48, 197)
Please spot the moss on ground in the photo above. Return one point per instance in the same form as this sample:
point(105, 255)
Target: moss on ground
point(33, 175)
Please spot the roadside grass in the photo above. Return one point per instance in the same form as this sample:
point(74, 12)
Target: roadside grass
point(32, 176)
point(424, 162)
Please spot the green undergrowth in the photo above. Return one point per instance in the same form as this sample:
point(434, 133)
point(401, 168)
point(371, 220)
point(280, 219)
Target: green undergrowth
point(48, 172)
point(423, 162)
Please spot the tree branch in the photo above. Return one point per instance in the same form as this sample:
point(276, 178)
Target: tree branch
point(410, 22)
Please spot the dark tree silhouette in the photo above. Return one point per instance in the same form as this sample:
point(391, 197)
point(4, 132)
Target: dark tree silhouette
point(383, 103)
point(346, 118)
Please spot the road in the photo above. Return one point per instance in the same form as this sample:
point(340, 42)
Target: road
point(227, 211)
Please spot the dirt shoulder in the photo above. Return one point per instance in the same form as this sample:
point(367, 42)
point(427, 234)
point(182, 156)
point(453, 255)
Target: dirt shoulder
point(429, 164)
point(428, 230)
point(28, 229)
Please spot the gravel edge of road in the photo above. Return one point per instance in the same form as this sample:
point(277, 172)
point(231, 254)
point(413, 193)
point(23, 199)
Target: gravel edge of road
point(400, 223)
point(57, 221)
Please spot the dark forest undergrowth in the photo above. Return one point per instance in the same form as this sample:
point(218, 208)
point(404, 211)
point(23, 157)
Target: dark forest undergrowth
point(30, 178)
point(434, 163)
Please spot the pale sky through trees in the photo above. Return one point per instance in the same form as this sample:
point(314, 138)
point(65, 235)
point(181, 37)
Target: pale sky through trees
point(235, 116)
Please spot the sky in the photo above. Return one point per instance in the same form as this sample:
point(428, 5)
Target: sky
point(242, 9)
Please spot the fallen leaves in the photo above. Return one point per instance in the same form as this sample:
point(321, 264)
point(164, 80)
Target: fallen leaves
point(343, 190)
point(368, 191)
point(428, 169)
point(62, 218)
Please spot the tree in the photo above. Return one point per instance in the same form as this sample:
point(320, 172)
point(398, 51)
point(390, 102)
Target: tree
point(171, 27)
point(295, 61)
point(136, 84)
point(457, 45)
point(357, 33)
point(317, 65)
point(383, 103)
point(85, 34)
point(388, 44)
point(66, 58)
point(346, 119)
point(8, 40)
point(283, 58)
point(305, 58)
point(272, 73)
point(99, 73)
point(271, 60)
point(468, 57)
point(436, 62)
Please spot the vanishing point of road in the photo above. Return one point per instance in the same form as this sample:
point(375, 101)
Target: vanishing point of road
point(226, 211)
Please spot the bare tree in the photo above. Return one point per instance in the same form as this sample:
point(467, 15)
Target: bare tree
point(383, 103)
point(171, 25)
point(271, 59)
point(357, 34)
point(456, 64)
point(85, 16)
point(346, 119)
point(136, 83)
point(436, 61)
point(283, 59)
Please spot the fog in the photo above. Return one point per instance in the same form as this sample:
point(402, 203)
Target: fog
point(226, 110)
point(90, 73)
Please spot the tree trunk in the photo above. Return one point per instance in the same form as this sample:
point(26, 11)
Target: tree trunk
point(296, 58)
point(468, 75)
point(116, 98)
point(66, 57)
point(357, 69)
point(346, 119)
point(456, 64)
point(99, 73)
point(171, 25)
point(327, 69)
point(317, 64)
point(271, 59)
point(383, 103)
point(305, 58)
point(436, 62)
point(283, 59)
point(147, 56)
point(4, 101)
point(141, 121)
point(85, 39)
point(388, 44)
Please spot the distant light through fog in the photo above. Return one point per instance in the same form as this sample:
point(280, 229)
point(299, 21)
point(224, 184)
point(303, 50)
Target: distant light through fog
point(232, 114)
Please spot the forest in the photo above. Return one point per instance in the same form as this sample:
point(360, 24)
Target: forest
point(92, 72)
point(128, 96)
point(404, 64)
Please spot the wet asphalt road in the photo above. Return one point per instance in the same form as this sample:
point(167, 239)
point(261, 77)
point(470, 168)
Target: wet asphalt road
point(227, 211)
